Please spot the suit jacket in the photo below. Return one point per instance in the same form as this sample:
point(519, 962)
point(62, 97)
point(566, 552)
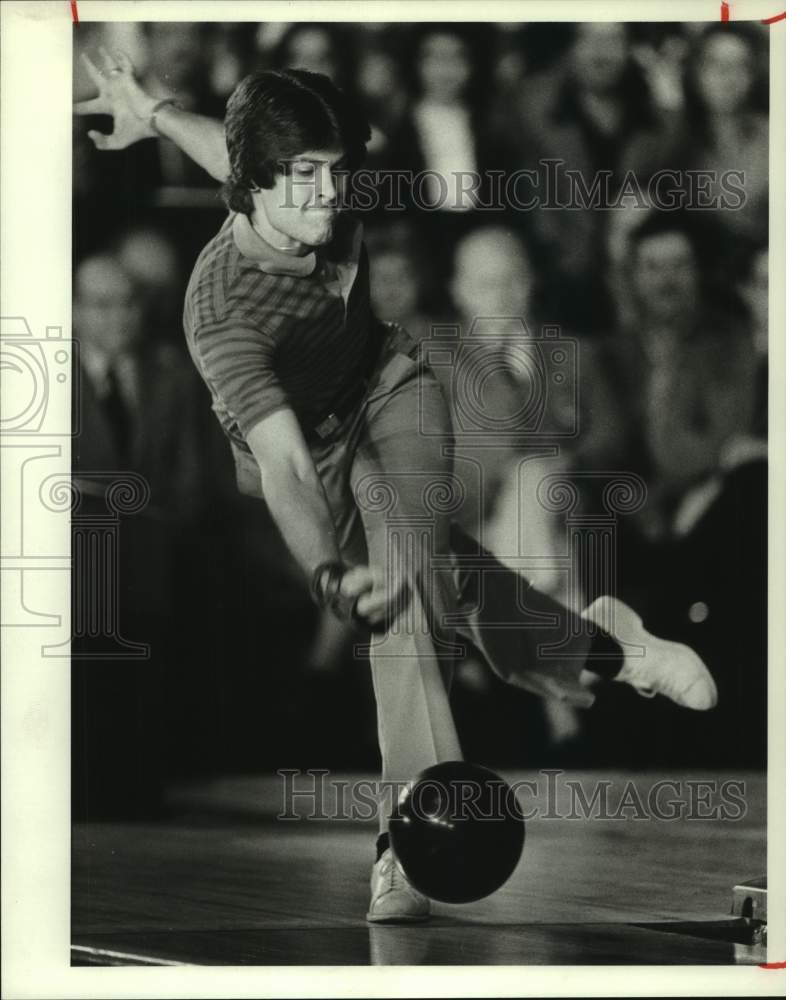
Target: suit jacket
point(168, 433)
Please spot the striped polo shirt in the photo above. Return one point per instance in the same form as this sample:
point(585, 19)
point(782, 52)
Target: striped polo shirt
point(267, 330)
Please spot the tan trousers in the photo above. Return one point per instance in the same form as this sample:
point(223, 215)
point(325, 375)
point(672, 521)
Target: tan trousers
point(391, 484)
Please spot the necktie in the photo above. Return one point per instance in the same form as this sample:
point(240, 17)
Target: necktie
point(118, 415)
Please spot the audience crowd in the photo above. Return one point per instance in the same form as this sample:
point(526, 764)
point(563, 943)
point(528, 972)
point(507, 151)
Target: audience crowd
point(618, 296)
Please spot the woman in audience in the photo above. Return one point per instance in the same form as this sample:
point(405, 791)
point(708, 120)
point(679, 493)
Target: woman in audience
point(725, 125)
point(442, 141)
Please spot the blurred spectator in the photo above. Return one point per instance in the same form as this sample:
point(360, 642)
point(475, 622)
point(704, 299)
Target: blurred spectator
point(509, 62)
point(661, 50)
point(178, 64)
point(725, 125)
point(396, 282)
point(444, 140)
point(661, 291)
point(267, 37)
point(151, 260)
point(381, 90)
point(138, 400)
point(665, 280)
point(490, 382)
point(675, 335)
point(495, 291)
point(594, 112)
point(699, 400)
point(493, 276)
point(441, 126)
point(230, 57)
point(320, 48)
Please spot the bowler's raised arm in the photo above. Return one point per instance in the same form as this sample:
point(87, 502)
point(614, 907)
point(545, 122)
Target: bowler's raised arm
point(138, 115)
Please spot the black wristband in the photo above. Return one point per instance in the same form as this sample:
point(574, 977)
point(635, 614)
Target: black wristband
point(326, 583)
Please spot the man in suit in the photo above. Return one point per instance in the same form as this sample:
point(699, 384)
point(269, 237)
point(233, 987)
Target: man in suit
point(138, 411)
point(138, 400)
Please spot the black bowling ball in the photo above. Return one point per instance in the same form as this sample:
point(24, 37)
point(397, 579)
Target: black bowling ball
point(457, 831)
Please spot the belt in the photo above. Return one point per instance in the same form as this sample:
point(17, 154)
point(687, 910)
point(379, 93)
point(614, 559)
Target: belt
point(328, 426)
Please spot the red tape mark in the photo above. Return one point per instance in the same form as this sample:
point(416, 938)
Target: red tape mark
point(772, 965)
point(726, 12)
point(74, 12)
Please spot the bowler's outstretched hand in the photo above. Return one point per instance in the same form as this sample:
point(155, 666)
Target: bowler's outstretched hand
point(121, 96)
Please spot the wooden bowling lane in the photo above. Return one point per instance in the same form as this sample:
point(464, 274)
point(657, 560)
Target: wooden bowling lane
point(439, 943)
point(210, 889)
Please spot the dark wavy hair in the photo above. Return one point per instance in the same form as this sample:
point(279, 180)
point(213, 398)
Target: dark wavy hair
point(274, 116)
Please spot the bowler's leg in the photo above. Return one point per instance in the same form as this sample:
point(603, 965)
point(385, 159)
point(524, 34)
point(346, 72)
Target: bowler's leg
point(534, 642)
point(528, 638)
point(403, 488)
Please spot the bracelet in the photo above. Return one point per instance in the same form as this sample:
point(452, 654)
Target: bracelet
point(156, 108)
point(326, 583)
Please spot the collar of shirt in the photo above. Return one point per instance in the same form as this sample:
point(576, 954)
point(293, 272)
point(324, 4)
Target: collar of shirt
point(343, 254)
